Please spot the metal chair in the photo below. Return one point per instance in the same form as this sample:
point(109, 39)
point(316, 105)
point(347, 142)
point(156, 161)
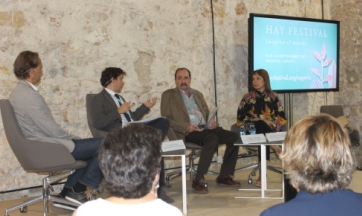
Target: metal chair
point(95, 132)
point(191, 168)
point(333, 110)
point(256, 166)
point(38, 157)
point(337, 111)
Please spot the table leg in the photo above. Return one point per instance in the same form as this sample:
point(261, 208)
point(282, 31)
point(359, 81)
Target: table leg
point(263, 170)
point(184, 196)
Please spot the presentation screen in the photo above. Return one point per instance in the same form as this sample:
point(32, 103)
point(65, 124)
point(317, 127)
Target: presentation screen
point(300, 54)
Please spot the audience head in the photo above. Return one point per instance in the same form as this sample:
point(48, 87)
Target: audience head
point(261, 79)
point(317, 155)
point(111, 76)
point(130, 160)
point(182, 78)
point(25, 62)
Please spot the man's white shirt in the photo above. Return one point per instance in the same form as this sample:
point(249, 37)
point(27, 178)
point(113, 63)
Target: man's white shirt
point(124, 120)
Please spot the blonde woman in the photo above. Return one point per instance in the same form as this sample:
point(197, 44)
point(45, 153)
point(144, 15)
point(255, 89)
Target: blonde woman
point(319, 162)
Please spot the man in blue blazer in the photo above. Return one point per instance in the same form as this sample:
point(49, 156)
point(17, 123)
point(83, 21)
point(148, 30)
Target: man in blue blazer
point(110, 111)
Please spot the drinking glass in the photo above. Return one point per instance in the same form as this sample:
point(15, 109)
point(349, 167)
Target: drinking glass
point(252, 129)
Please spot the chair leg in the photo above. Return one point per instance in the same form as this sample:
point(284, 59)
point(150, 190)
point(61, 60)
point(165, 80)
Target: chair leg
point(63, 201)
point(170, 176)
point(247, 167)
point(253, 173)
point(46, 194)
point(274, 169)
point(255, 168)
point(190, 169)
point(45, 197)
point(23, 205)
point(213, 173)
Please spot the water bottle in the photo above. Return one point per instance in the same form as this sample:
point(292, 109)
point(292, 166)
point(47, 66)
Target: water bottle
point(252, 129)
point(242, 130)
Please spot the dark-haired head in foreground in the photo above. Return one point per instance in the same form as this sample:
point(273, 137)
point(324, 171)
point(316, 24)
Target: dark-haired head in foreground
point(317, 155)
point(130, 161)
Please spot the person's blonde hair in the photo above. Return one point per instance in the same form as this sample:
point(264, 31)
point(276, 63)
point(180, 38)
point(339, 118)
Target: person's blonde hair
point(317, 155)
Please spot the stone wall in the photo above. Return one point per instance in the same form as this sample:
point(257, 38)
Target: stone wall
point(149, 40)
point(349, 12)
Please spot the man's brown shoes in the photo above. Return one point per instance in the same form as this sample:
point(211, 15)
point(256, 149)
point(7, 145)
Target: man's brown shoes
point(227, 181)
point(200, 187)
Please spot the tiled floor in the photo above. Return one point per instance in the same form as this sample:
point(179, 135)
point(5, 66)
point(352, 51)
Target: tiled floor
point(219, 201)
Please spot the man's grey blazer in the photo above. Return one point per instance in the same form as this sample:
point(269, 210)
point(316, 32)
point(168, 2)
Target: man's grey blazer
point(35, 118)
point(105, 114)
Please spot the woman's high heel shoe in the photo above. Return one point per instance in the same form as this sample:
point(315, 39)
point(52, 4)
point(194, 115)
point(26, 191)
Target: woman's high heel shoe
point(258, 183)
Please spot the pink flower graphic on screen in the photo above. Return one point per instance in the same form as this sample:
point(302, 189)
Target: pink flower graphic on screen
point(330, 77)
point(316, 84)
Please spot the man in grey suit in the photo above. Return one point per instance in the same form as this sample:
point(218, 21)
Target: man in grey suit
point(37, 123)
point(110, 111)
point(187, 110)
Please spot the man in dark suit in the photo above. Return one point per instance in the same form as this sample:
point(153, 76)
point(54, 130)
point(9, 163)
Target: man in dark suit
point(110, 111)
point(187, 110)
